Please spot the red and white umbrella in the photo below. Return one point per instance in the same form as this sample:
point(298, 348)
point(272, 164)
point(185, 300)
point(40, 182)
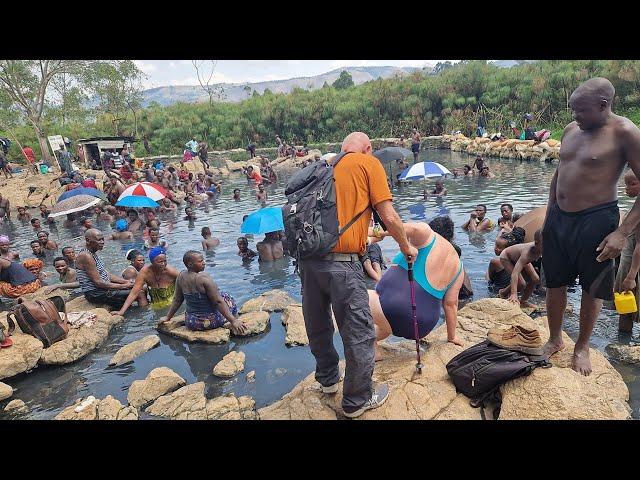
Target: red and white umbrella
point(145, 189)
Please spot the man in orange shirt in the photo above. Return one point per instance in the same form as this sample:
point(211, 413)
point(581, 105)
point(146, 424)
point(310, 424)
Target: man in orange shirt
point(337, 280)
point(253, 175)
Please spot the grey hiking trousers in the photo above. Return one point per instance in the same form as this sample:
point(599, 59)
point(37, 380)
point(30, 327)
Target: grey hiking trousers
point(340, 285)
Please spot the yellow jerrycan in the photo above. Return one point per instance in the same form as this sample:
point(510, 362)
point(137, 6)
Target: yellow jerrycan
point(625, 302)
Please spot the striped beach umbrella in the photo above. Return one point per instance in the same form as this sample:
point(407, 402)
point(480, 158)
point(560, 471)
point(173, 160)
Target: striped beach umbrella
point(73, 204)
point(145, 189)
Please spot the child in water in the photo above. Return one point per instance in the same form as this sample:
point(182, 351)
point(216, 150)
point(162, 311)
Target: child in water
point(517, 259)
point(208, 241)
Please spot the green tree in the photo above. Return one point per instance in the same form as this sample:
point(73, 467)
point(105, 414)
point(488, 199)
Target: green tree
point(343, 81)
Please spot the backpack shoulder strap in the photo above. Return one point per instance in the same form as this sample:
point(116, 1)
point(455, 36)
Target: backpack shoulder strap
point(334, 162)
point(338, 157)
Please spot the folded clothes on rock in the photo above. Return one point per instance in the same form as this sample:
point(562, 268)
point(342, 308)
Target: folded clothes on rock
point(78, 319)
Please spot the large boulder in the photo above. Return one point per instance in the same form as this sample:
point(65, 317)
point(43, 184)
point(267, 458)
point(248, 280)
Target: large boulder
point(21, 357)
point(134, 349)
point(159, 382)
point(256, 322)
point(16, 407)
point(190, 403)
point(93, 409)
point(6, 391)
point(271, 301)
point(293, 320)
point(554, 393)
point(81, 341)
point(81, 304)
point(230, 365)
point(176, 328)
point(41, 295)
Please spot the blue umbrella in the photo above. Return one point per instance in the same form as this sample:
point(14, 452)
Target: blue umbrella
point(94, 192)
point(424, 170)
point(264, 220)
point(137, 201)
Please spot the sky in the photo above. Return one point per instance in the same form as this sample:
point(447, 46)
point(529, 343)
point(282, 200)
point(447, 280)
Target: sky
point(182, 72)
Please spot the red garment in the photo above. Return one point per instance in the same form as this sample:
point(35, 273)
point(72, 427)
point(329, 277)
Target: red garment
point(89, 183)
point(257, 177)
point(28, 151)
point(125, 172)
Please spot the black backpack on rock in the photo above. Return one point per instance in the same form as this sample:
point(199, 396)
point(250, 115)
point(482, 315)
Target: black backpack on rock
point(479, 371)
point(310, 214)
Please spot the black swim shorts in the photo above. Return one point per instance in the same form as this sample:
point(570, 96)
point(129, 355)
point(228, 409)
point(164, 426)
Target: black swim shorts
point(415, 148)
point(569, 242)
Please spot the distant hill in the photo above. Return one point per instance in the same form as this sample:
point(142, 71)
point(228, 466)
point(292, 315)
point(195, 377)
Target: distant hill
point(510, 63)
point(236, 92)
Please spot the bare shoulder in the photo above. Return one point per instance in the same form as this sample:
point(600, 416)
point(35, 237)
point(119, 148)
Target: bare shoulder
point(625, 127)
point(570, 128)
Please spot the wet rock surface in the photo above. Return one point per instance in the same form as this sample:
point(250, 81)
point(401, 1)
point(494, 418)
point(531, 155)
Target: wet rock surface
point(134, 349)
point(271, 301)
point(159, 382)
point(293, 320)
point(16, 407)
point(190, 403)
point(176, 328)
point(624, 353)
point(21, 357)
point(230, 365)
point(6, 391)
point(256, 323)
point(93, 409)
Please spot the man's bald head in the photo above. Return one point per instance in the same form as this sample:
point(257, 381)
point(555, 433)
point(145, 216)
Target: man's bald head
point(92, 234)
point(356, 142)
point(597, 89)
point(591, 103)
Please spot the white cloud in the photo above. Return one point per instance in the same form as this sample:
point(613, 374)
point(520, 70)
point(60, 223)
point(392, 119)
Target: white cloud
point(193, 80)
point(146, 67)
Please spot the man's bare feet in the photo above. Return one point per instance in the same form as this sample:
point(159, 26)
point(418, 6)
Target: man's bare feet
point(581, 360)
point(552, 346)
point(528, 305)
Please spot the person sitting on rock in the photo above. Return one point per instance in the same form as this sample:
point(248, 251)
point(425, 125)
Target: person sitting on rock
point(207, 307)
point(208, 241)
point(121, 232)
point(243, 248)
point(97, 284)
point(517, 261)
point(270, 248)
point(443, 226)
point(498, 277)
point(16, 280)
point(438, 279)
point(159, 278)
point(68, 276)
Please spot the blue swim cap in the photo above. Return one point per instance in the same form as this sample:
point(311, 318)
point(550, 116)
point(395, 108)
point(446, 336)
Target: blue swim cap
point(155, 251)
point(121, 225)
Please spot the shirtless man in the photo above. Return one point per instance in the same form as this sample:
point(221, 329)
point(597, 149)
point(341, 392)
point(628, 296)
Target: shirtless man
point(270, 248)
point(5, 208)
point(5, 249)
point(208, 241)
point(478, 222)
point(478, 163)
point(236, 194)
point(415, 144)
point(581, 232)
point(438, 191)
point(113, 189)
point(261, 195)
point(135, 224)
point(243, 248)
point(485, 173)
point(516, 260)
point(69, 254)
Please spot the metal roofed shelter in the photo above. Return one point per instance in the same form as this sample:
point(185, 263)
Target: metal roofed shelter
point(94, 147)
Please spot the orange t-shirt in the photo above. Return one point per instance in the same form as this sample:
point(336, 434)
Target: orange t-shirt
point(360, 181)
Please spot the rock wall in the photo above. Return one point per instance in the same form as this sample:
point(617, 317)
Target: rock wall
point(510, 148)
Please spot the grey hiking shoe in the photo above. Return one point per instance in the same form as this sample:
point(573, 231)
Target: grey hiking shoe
point(379, 396)
point(333, 388)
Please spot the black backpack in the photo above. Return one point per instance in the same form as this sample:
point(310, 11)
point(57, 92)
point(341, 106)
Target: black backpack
point(310, 214)
point(479, 371)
